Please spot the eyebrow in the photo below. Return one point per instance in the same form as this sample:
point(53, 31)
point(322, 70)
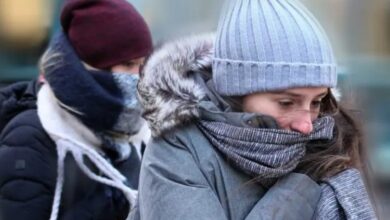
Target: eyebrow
point(298, 95)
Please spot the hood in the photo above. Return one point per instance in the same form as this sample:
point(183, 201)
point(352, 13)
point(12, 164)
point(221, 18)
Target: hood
point(17, 98)
point(169, 89)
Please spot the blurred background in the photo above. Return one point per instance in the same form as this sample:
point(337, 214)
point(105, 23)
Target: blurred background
point(359, 31)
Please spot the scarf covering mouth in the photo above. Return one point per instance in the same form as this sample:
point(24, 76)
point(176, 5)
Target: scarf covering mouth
point(264, 153)
point(105, 103)
point(268, 154)
point(102, 100)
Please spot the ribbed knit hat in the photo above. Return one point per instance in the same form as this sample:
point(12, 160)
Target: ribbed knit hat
point(105, 33)
point(270, 45)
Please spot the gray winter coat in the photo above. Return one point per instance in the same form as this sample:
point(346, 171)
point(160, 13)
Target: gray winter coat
point(182, 175)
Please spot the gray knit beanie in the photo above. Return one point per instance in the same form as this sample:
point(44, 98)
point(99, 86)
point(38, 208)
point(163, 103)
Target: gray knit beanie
point(270, 45)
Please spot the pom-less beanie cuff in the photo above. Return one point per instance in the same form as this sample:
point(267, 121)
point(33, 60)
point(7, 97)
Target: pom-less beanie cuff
point(267, 76)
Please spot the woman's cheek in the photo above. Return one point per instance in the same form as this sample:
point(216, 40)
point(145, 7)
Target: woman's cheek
point(283, 122)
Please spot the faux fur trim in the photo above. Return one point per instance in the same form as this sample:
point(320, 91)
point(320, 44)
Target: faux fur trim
point(167, 88)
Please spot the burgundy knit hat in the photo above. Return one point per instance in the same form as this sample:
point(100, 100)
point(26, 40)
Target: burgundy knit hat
point(105, 33)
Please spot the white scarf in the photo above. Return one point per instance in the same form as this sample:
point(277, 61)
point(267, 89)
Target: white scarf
point(71, 136)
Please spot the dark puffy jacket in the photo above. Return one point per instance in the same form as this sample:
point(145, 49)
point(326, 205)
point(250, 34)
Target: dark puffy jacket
point(28, 168)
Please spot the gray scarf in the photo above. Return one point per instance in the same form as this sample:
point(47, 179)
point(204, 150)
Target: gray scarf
point(264, 153)
point(344, 197)
point(268, 154)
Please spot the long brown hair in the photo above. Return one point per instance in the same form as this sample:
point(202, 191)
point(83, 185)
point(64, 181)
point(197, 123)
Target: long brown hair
point(346, 150)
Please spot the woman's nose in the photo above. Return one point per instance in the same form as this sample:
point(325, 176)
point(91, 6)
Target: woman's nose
point(302, 123)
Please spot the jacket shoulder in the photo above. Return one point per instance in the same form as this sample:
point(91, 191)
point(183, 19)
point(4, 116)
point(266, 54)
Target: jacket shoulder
point(24, 129)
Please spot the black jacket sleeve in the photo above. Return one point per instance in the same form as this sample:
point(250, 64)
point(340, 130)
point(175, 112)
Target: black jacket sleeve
point(27, 170)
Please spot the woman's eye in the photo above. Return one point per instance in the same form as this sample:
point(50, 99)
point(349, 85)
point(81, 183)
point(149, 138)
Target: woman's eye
point(129, 64)
point(316, 104)
point(286, 103)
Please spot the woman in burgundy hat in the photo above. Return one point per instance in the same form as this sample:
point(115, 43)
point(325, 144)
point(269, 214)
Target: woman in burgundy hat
point(64, 149)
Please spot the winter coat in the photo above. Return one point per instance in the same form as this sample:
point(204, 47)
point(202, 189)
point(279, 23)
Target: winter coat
point(182, 175)
point(28, 168)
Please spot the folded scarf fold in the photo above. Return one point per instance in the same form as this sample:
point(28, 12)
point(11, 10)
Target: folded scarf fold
point(268, 154)
point(264, 153)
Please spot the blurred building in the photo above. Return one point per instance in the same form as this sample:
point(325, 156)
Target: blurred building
point(172, 18)
point(358, 27)
point(25, 27)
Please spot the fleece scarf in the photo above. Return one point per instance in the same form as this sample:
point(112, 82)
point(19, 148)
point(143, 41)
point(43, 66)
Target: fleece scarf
point(102, 100)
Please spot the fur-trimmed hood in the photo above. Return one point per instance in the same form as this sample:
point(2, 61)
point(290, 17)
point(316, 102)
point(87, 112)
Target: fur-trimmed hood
point(168, 89)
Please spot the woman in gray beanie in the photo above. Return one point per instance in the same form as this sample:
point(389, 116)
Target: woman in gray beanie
point(246, 126)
